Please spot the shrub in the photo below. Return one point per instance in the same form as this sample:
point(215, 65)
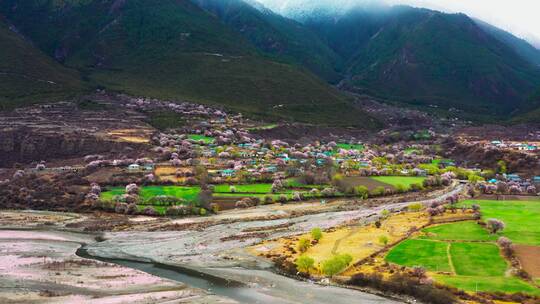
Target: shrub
point(506, 245)
point(202, 212)
point(178, 211)
point(419, 272)
point(297, 196)
point(327, 192)
point(495, 225)
point(132, 189)
point(379, 191)
point(362, 191)
point(415, 207)
point(400, 188)
point(316, 233)
point(283, 198)
point(417, 187)
point(399, 283)
point(385, 213)
point(383, 239)
point(336, 264)
point(304, 263)
point(268, 199)
point(150, 211)
point(131, 209)
point(120, 207)
point(303, 245)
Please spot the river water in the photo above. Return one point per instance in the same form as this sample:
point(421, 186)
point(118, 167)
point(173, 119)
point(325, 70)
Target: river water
point(266, 287)
point(221, 287)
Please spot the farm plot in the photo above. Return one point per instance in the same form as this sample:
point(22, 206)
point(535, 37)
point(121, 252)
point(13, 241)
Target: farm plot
point(520, 217)
point(394, 181)
point(371, 184)
point(189, 194)
point(204, 139)
point(477, 259)
point(463, 231)
point(345, 146)
point(431, 255)
point(249, 188)
point(529, 257)
point(468, 253)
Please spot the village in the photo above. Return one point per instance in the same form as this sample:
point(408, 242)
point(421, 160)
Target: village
point(328, 207)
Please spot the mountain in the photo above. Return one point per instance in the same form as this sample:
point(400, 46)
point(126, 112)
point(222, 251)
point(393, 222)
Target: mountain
point(520, 46)
point(27, 75)
point(174, 49)
point(275, 36)
point(427, 58)
point(532, 116)
point(241, 55)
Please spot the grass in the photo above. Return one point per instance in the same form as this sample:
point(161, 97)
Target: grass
point(520, 217)
point(488, 284)
point(28, 76)
point(350, 146)
point(205, 139)
point(251, 188)
point(462, 231)
point(187, 193)
point(428, 254)
point(477, 259)
point(294, 183)
point(406, 181)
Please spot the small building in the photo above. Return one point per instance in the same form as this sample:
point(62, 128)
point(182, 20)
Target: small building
point(228, 173)
point(148, 167)
point(134, 167)
point(513, 177)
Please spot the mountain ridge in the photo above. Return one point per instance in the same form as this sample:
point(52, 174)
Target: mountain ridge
point(243, 56)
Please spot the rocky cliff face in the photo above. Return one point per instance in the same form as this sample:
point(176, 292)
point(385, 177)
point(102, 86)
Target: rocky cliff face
point(23, 146)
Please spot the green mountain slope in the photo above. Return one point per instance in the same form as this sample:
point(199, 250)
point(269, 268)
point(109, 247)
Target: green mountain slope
point(427, 58)
point(520, 46)
point(532, 116)
point(174, 49)
point(28, 76)
point(275, 36)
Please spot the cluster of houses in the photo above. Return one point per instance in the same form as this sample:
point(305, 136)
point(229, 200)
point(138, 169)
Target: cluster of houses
point(500, 144)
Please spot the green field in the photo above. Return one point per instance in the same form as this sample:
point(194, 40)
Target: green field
point(463, 231)
point(409, 151)
point(205, 139)
point(428, 254)
point(350, 146)
point(406, 181)
point(521, 218)
point(488, 284)
point(251, 188)
point(469, 252)
point(477, 259)
point(187, 193)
